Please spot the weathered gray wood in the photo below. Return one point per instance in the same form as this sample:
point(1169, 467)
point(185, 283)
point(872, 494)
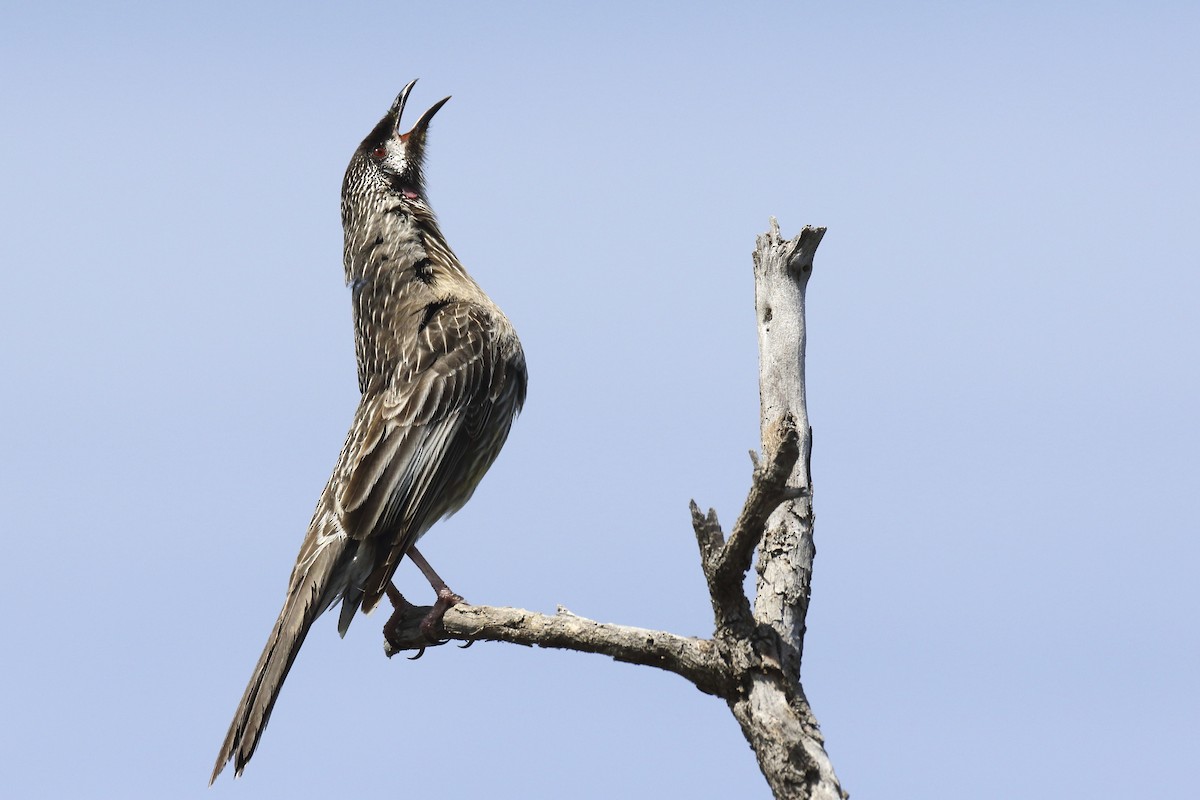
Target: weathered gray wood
point(775, 715)
point(781, 271)
point(690, 657)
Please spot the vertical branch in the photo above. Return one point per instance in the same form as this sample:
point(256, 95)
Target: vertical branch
point(781, 272)
point(772, 708)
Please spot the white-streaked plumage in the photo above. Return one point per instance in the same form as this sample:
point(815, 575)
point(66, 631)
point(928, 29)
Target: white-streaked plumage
point(442, 377)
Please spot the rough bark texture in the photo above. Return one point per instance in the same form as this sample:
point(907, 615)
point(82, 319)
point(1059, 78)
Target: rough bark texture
point(692, 658)
point(775, 714)
point(753, 659)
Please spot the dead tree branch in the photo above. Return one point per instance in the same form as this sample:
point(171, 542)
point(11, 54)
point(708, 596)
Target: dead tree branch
point(753, 659)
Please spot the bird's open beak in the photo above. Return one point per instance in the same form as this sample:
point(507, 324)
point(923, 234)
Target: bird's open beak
point(397, 111)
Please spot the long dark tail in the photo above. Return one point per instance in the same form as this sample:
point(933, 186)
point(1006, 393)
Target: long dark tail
point(307, 599)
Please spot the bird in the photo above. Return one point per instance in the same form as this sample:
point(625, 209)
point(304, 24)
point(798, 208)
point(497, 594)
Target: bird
point(442, 377)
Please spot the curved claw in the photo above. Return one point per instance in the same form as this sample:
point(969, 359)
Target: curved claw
point(468, 644)
point(420, 653)
point(431, 636)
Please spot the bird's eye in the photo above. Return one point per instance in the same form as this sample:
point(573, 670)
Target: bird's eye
point(379, 152)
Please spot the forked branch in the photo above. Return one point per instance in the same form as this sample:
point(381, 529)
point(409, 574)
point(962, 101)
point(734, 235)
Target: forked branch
point(753, 659)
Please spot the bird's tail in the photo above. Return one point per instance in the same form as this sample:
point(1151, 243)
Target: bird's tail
point(307, 599)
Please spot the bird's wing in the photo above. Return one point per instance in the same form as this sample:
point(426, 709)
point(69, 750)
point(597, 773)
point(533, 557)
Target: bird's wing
point(420, 438)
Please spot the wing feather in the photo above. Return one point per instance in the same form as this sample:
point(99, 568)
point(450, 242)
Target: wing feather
point(422, 451)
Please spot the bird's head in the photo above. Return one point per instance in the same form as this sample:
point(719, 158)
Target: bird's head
point(389, 160)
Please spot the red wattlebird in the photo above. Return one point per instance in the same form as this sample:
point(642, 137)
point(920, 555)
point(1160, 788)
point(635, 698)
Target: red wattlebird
point(442, 377)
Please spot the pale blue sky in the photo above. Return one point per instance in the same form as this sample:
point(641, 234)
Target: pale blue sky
point(1002, 378)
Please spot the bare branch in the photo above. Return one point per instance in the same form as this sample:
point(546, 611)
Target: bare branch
point(775, 714)
point(753, 659)
point(725, 562)
point(692, 658)
point(781, 272)
point(767, 491)
point(708, 535)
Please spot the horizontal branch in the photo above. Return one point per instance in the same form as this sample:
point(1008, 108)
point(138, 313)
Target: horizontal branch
point(692, 658)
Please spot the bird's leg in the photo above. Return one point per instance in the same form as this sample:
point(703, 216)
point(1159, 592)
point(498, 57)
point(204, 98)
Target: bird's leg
point(431, 626)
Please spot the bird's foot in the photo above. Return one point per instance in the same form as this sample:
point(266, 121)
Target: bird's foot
point(402, 610)
point(431, 627)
